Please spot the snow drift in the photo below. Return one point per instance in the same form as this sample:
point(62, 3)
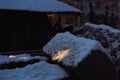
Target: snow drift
point(106, 35)
point(85, 58)
point(70, 49)
point(37, 71)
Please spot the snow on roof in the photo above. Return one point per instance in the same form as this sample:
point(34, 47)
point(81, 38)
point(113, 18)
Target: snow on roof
point(37, 71)
point(70, 49)
point(37, 5)
point(102, 26)
point(17, 58)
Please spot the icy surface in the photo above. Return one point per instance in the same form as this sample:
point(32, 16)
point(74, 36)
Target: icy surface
point(37, 71)
point(17, 58)
point(69, 49)
point(37, 5)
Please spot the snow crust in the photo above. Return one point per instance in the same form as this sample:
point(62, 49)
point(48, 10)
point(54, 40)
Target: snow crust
point(17, 58)
point(70, 49)
point(37, 71)
point(37, 5)
point(102, 26)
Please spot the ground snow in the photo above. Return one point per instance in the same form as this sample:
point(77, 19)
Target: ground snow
point(37, 71)
point(104, 27)
point(17, 58)
point(70, 49)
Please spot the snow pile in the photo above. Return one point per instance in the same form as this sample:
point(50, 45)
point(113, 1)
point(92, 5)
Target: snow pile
point(104, 27)
point(37, 71)
point(17, 58)
point(106, 35)
point(69, 49)
point(106, 31)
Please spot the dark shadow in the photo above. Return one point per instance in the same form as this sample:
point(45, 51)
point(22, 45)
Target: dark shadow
point(23, 30)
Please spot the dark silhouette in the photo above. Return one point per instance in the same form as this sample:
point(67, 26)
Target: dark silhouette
point(68, 27)
point(91, 14)
point(24, 30)
point(112, 20)
point(106, 14)
point(119, 74)
point(58, 25)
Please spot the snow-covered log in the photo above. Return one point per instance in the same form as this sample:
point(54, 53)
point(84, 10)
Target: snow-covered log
point(83, 56)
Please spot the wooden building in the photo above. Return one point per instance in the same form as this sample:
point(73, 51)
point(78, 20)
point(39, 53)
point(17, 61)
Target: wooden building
point(24, 24)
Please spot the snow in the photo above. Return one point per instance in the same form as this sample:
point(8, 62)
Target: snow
point(17, 58)
point(106, 35)
point(37, 71)
point(70, 49)
point(104, 27)
point(118, 55)
point(115, 44)
point(37, 5)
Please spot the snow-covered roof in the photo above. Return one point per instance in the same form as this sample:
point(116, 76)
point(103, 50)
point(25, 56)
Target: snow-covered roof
point(17, 58)
point(37, 5)
point(37, 71)
point(104, 27)
point(70, 49)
